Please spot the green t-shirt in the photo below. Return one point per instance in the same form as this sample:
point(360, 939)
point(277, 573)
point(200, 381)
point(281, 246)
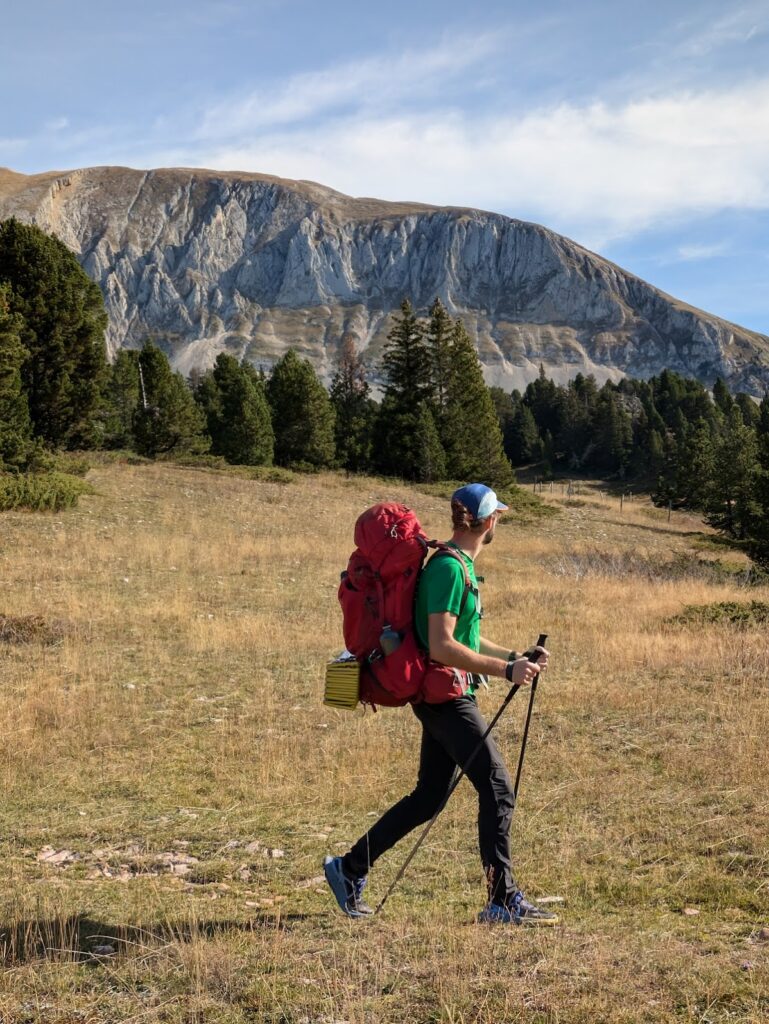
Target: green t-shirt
point(441, 589)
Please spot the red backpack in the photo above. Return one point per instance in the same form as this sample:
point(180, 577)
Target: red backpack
point(378, 591)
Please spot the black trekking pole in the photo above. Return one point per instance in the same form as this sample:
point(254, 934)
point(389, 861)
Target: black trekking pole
point(534, 682)
point(463, 771)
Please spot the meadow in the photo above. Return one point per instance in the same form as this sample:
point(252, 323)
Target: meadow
point(171, 780)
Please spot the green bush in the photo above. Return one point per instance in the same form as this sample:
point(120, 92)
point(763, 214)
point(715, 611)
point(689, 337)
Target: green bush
point(217, 463)
point(742, 615)
point(72, 463)
point(40, 492)
point(191, 461)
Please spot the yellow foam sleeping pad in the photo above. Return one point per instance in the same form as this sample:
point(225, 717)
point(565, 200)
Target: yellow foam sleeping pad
point(342, 687)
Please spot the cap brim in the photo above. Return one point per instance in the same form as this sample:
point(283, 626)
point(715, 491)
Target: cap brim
point(501, 508)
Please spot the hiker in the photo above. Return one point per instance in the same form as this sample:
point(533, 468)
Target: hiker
point(447, 623)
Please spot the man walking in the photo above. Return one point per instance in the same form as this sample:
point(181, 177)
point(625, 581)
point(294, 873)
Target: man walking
point(447, 623)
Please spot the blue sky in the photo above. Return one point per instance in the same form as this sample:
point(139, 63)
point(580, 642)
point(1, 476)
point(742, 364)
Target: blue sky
point(641, 130)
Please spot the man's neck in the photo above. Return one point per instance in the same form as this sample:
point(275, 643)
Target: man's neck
point(469, 543)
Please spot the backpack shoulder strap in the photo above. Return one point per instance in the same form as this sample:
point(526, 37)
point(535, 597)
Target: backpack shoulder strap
point(445, 550)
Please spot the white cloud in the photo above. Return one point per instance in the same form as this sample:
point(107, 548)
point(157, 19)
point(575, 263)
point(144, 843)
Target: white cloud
point(601, 168)
point(696, 252)
point(56, 124)
point(738, 26)
point(376, 82)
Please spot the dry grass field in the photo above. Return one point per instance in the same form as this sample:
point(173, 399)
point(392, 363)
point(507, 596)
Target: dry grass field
point(171, 780)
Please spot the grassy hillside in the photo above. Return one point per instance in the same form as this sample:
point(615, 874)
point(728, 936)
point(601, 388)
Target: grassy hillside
point(171, 780)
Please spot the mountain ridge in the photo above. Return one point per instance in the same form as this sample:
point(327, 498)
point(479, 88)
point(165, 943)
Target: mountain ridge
point(209, 261)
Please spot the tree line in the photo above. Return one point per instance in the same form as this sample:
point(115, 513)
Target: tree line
point(58, 390)
point(692, 448)
point(437, 419)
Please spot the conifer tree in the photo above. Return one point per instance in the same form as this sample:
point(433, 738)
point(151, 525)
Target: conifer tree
point(655, 454)
point(522, 441)
point(170, 421)
point(542, 397)
point(15, 428)
point(439, 338)
point(748, 409)
point(472, 438)
point(731, 502)
point(401, 429)
point(759, 528)
point(122, 399)
point(430, 457)
point(63, 332)
point(406, 362)
point(613, 434)
point(695, 472)
point(355, 410)
point(722, 397)
point(302, 414)
point(237, 414)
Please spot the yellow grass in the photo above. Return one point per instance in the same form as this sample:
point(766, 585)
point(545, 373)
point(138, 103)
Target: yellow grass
point(180, 714)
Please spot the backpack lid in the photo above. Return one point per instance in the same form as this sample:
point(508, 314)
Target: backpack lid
point(390, 537)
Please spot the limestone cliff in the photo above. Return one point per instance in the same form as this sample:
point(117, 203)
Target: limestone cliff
point(205, 261)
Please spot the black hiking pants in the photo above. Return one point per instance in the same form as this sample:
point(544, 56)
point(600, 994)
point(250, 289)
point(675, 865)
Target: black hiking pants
point(450, 733)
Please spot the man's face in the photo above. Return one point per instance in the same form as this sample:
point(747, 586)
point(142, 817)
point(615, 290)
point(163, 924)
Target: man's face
point(488, 537)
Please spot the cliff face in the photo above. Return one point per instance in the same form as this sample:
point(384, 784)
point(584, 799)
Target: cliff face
point(206, 262)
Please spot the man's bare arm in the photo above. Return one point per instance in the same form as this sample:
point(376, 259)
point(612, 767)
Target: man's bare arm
point(448, 651)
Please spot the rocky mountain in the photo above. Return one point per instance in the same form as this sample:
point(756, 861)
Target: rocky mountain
point(205, 262)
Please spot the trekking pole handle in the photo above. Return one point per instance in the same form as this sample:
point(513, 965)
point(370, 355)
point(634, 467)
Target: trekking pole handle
point(541, 641)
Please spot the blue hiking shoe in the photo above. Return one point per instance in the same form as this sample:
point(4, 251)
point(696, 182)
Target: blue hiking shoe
point(517, 910)
point(348, 892)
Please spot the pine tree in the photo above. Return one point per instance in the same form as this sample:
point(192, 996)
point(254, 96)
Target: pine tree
point(171, 420)
point(748, 408)
point(655, 454)
point(759, 527)
point(613, 433)
point(406, 363)
point(577, 403)
point(731, 502)
point(122, 399)
point(355, 410)
point(15, 428)
point(302, 414)
point(696, 470)
point(439, 338)
point(722, 397)
point(401, 430)
point(542, 398)
point(430, 457)
point(472, 438)
point(237, 414)
point(522, 441)
point(63, 332)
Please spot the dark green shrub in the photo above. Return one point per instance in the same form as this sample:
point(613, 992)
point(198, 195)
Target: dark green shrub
point(40, 492)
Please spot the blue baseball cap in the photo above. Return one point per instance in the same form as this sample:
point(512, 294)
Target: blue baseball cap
point(479, 500)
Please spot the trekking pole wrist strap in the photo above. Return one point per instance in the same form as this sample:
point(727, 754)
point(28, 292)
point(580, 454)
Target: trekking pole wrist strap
point(509, 671)
point(513, 656)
